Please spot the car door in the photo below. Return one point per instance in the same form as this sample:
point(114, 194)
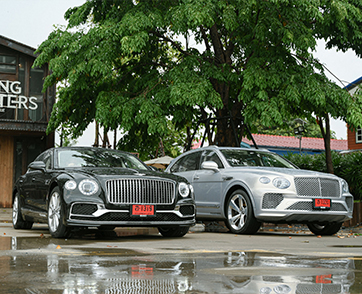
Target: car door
point(40, 180)
point(187, 165)
point(208, 187)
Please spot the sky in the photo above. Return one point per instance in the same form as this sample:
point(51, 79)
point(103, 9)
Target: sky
point(31, 21)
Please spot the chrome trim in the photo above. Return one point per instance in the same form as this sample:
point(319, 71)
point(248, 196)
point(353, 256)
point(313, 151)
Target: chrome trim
point(102, 210)
point(317, 187)
point(140, 191)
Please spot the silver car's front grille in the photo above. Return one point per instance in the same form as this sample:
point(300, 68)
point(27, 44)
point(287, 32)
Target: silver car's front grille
point(140, 191)
point(317, 187)
point(272, 200)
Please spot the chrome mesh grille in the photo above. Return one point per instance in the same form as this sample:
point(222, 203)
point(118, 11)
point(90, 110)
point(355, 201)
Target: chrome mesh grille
point(317, 187)
point(271, 200)
point(140, 191)
point(308, 206)
point(141, 286)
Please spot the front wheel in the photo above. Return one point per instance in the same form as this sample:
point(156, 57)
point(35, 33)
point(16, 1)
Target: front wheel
point(173, 231)
point(56, 214)
point(18, 221)
point(325, 230)
point(240, 217)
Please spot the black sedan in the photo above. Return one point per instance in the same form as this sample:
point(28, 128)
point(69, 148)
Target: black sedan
point(72, 187)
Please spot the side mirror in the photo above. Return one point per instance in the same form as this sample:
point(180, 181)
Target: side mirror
point(210, 165)
point(37, 165)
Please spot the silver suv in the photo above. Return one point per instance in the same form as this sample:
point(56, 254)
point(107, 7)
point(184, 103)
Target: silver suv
point(245, 187)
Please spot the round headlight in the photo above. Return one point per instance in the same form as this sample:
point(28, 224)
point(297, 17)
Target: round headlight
point(264, 180)
point(344, 186)
point(281, 183)
point(70, 185)
point(88, 187)
point(184, 189)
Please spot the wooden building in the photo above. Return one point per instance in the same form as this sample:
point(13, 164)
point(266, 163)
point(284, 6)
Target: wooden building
point(24, 113)
point(354, 136)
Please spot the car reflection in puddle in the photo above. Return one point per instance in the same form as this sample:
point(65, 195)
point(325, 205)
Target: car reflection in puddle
point(42, 269)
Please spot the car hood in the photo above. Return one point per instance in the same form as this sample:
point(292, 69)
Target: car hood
point(277, 171)
point(105, 173)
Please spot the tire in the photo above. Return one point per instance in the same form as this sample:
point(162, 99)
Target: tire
point(325, 230)
point(173, 231)
point(56, 214)
point(18, 221)
point(240, 217)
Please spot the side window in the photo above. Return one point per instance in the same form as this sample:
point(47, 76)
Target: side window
point(210, 155)
point(187, 163)
point(46, 158)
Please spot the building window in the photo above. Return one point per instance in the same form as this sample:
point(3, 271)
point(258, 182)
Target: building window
point(359, 135)
point(8, 64)
point(36, 86)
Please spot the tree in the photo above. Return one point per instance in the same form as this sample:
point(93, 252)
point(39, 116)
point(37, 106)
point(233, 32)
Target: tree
point(126, 65)
point(311, 129)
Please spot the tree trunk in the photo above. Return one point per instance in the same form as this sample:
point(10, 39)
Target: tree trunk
point(229, 128)
point(327, 142)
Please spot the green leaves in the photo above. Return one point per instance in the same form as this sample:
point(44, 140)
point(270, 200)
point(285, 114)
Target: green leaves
point(137, 65)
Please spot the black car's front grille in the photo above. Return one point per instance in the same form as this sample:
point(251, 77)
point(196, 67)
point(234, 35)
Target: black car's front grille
point(140, 191)
point(84, 208)
point(140, 286)
point(317, 187)
point(187, 210)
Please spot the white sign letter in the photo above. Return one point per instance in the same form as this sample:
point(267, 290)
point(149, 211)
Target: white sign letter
point(16, 90)
point(5, 87)
point(32, 100)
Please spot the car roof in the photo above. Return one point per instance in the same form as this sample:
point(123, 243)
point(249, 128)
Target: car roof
point(226, 147)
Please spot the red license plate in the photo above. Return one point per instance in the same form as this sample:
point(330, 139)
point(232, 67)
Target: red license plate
point(323, 204)
point(143, 209)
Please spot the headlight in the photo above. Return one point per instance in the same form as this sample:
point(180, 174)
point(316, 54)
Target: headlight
point(264, 180)
point(70, 185)
point(281, 183)
point(344, 186)
point(88, 187)
point(192, 190)
point(184, 189)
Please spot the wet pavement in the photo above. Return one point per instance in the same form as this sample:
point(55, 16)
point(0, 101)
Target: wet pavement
point(128, 260)
point(34, 265)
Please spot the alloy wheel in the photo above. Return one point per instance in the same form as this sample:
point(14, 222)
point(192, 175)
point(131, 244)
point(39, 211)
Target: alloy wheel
point(237, 211)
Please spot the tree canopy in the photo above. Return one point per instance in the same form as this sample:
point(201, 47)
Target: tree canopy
point(139, 64)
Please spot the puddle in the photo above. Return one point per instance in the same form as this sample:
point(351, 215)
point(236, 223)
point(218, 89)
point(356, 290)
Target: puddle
point(117, 270)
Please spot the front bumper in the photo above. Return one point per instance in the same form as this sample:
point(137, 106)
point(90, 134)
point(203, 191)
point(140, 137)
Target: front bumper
point(95, 215)
point(274, 207)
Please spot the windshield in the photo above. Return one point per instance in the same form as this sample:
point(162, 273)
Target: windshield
point(240, 157)
point(97, 158)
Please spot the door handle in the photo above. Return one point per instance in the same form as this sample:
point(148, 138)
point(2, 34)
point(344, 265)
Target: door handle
point(196, 177)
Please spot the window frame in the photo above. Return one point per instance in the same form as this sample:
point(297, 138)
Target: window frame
point(9, 64)
point(359, 135)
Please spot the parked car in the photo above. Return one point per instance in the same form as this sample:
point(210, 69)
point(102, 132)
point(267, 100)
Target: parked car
point(245, 187)
point(81, 187)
